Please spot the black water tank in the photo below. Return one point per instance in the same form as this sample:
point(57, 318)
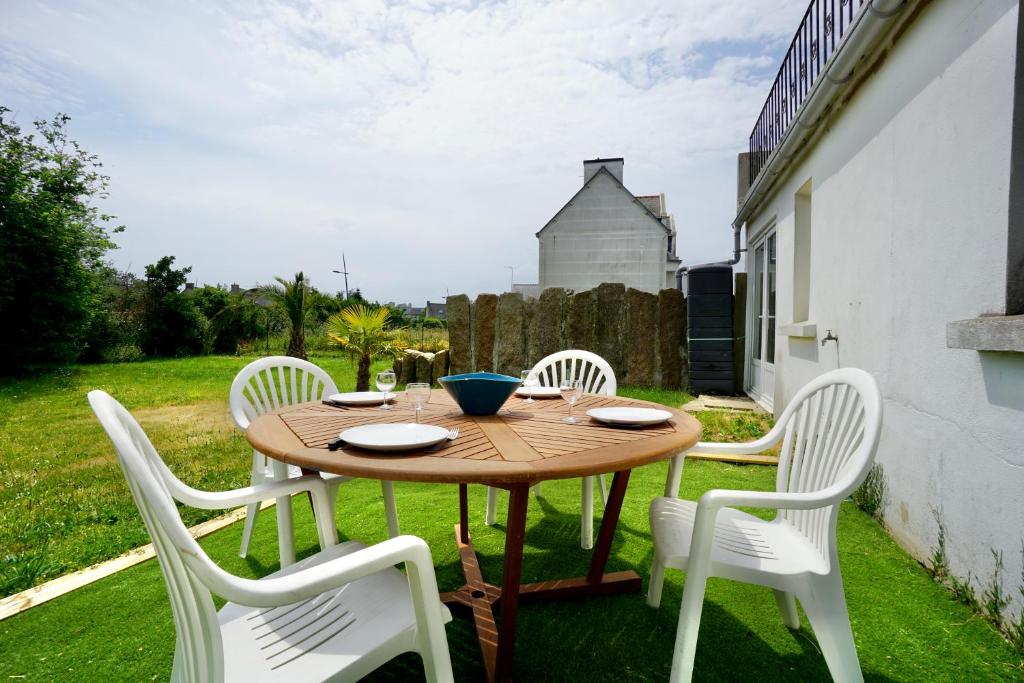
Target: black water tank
point(709, 328)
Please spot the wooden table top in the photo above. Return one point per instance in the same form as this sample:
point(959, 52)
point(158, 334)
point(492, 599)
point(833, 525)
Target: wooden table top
point(528, 445)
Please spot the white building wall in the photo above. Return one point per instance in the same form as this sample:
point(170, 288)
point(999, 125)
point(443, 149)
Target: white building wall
point(603, 236)
point(909, 232)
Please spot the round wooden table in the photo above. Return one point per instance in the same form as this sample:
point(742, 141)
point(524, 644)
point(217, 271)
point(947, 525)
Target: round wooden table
point(526, 444)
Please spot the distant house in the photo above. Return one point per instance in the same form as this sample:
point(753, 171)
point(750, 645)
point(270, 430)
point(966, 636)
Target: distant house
point(431, 310)
point(409, 310)
point(605, 233)
point(882, 199)
point(435, 310)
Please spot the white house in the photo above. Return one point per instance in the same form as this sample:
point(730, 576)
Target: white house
point(886, 206)
point(606, 234)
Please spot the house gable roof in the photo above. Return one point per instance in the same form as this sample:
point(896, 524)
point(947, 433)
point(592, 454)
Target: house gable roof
point(622, 187)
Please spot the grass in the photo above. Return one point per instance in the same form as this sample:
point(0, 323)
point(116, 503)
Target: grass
point(63, 502)
point(906, 626)
point(732, 425)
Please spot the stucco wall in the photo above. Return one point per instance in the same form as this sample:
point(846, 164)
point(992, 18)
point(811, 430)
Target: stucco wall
point(604, 236)
point(910, 187)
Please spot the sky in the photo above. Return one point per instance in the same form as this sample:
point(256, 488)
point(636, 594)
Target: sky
point(428, 140)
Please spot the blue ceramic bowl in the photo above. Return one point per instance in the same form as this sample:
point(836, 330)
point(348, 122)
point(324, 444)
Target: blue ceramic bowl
point(480, 393)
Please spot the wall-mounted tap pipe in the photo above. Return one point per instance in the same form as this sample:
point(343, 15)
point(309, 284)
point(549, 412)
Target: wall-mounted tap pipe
point(829, 337)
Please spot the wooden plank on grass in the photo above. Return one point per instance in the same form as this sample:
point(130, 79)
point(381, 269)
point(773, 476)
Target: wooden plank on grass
point(737, 459)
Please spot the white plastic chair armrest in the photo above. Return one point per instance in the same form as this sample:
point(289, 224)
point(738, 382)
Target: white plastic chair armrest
point(220, 500)
point(719, 498)
point(312, 581)
point(713, 501)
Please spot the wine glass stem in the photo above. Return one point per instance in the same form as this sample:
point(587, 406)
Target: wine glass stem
point(416, 411)
point(570, 410)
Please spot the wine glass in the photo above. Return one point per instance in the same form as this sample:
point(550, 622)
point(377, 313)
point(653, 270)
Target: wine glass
point(386, 381)
point(571, 390)
point(528, 383)
point(419, 395)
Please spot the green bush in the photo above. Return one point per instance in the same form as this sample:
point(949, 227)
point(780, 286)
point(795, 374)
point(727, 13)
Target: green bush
point(174, 325)
point(52, 244)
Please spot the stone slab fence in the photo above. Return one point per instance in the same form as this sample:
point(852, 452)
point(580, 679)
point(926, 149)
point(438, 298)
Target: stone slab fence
point(420, 366)
point(641, 335)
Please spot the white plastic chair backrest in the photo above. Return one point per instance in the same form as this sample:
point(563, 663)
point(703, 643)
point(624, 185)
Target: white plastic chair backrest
point(273, 382)
point(198, 654)
point(832, 427)
point(597, 375)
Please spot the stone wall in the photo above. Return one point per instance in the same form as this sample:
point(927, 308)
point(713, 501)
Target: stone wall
point(421, 366)
point(641, 335)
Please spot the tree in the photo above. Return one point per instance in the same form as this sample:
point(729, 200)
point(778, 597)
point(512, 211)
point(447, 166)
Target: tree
point(115, 330)
point(293, 299)
point(52, 243)
point(362, 331)
point(173, 325)
point(234, 318)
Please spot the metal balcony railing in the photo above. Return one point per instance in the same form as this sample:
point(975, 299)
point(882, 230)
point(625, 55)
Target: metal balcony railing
point(821, 30)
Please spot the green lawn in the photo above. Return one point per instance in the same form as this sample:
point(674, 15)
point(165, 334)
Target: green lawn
point(63, 501)
point(60, 489)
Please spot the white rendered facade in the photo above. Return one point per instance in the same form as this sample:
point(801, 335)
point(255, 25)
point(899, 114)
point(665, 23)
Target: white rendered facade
point(890, 224)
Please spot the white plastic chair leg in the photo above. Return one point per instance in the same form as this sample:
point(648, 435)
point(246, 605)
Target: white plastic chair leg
point(285, 534)
point(689, 625)
point(656, 583)
point(603, 489)
point(587, 515)
point(675, 475)
point(251, 510)
point(830, 621)
point(491, 512)
point(323, 513)
point(387, 488)
point(787, 605)
point(257, 476)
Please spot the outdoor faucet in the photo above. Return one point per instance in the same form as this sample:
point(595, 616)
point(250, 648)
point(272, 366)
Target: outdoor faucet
point(829, 337)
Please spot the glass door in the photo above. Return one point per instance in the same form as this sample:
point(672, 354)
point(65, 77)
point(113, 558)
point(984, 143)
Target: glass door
point(761, 304)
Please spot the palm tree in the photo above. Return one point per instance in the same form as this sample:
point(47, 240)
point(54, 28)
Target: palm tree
point(362, 332)
point(293, 299)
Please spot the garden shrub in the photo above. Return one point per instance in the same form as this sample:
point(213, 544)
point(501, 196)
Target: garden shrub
point(52, 244)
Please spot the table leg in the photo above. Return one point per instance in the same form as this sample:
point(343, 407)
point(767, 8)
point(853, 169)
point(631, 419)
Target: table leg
point(515, 534)
point(497, 635)
point(464, 514)
point(610, 520)
point(596, 582)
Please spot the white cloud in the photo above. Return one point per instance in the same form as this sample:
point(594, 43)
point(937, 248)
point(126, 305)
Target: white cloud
point(257, 139)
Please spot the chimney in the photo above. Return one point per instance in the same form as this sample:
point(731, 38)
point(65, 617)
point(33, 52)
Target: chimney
point(742, 177)
point(235, 289)
point(592, 166)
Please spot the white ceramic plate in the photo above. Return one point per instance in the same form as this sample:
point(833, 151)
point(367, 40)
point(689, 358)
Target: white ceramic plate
point(394, 437)
point(634, 417)
point(538, 392)
point(361, 398)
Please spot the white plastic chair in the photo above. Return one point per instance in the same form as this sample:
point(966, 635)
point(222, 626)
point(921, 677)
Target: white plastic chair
point(598, 378)
point(267, 384)
point(829, 434)
point(340, 613)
